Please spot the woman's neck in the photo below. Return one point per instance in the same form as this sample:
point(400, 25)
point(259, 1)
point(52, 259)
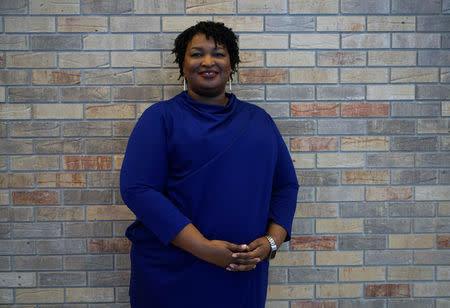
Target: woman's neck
point(220, 100)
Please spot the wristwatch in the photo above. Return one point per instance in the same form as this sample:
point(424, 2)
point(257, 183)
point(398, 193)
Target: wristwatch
point(273, 246)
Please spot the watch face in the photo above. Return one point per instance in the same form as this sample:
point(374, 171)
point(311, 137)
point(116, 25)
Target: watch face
point(273, 253)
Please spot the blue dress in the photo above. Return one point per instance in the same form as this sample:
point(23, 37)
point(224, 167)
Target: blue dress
point(227, 170)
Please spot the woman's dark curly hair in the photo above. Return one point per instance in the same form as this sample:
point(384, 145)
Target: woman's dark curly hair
point(220, 34)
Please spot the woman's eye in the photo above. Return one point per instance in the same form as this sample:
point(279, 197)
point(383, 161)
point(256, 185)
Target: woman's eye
point(196, 54)
point(219, 54)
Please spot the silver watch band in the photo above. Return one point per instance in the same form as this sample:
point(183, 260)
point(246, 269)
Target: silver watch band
point(273, 246)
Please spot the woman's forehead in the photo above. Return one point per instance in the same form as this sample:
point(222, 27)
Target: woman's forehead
point(200, 40)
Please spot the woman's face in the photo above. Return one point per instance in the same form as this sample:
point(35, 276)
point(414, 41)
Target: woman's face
point(206, 66)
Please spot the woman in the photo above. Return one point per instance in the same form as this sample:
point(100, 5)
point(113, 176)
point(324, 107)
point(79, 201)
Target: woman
point(212, 186)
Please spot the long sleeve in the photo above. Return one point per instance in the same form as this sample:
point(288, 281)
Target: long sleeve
point(284, 188)
point(144, 175)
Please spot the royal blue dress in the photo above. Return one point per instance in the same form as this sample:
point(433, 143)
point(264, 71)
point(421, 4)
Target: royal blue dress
point(227, 170)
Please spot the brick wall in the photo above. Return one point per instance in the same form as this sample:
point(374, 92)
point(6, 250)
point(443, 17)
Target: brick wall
point(359, 89)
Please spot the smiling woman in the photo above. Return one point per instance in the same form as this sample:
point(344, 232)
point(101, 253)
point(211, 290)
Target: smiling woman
point(212, 186)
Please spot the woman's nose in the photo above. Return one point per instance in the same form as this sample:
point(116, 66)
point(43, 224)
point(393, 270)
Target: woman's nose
point(208, 60)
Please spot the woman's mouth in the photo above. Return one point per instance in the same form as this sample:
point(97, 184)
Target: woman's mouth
point(208, 74)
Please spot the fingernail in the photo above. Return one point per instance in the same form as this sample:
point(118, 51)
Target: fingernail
point(228, 269)
point(234, 255)
point(232, 266)
point(258, 259)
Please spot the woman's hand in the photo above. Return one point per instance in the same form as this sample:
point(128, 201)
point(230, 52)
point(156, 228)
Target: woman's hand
point(220, 252)
point(257, 250)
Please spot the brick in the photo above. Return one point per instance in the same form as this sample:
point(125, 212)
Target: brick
point(87, 162)
point(86, 128)
point(251, 58)
point(391, 127)
point(13, 77)
point(442, 273)
point(6, 296)
point(15, 214)
point(411, 241)
point(35, 197)
point(416, 40)
point(314, 41)
point(444, 177)
point(83, 59)
point(391, 58)
point(289, 92)
point(290, 291)
point(339, 194)
point(316, 210)
point(250, 92)
point(155, 41)
point(445, 75)
point(109, 213)
point(340, 160)
point(365, 303)
point(158, 7)
point(431, 289)
point(439, 192)
point(313, 144)
point(365, 110)
point(341, 58)
point(105, 77)
point(303, 160)
point(5, 263)
point(339, 226)
point(33, 94)
point(443, 241)
point(59, 213)
point(412, 209)
point(61, 246)
point(365, 177)
point(82, 24)
point(312, 275)
point(87, 196)
point(391, 23)
point(290, 58)
point(55, 77)
point(58, 146)
point(61, 179)
point(135, 59)
point(434, 57)
point(432, 257)
point(2, 94)
point(58, 111)
point(262, 7)
point(157, 76)
point(432, 160)
point(433, 23)
point(313, 7)
point(352, 242)
point(123, 128)
point(263, 75)
point(83, 94)
point(414, 143)
point(140, 93)
point(338, 290)
point(180, 23)
point(34, 129)
point(416, 6)
point(419, 109)
point(340, 92)
point(361, 274)
point(87, 229)
point(364, 143)
point(312, 304)
point(435, 126)
point(379, 257)
point(117, 245)
point(104, 278)
point(341, 23)
point(13, 42)
point(263, 41)
point(107, 41)
point(100, 179)
point(33, 230)
point(56, 42)
point(302, 227)
point(363, 209)
point(444, 209)
point(414, 177)
point(17, 279)
point(13, 7)
point(289, 23)
point(106, 6)
point(277, 275)
point(364, 75)
point(40, 295)
point(366, 40)
point(89, 295)
point(387, 290)
point(431, 225)
point(365, 7)
point(442, 303)
point(66, 279)
point(59, 8)
point(339, 258)
point(16, 180)
point(292, 258)
point(29, 24)
point(14, 247)
point(388, 193)
point(34, 162)
point(88, 262)
point(211, 7)
point(313, 75)
point(390, 92)
point(110, 111)
point(410, 273)
point(313, 242)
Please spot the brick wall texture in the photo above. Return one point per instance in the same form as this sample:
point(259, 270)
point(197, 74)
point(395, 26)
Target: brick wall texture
point(360, 90)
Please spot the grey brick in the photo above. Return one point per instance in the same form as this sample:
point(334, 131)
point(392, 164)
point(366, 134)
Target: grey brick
point(120, 227)
point(108, 76)
point(56, 42)
point(87, 229)
point(342, 127)
point(416, 6)
point(277, 275)
point(306, 194)
point(415, 109)
point(34, 129)
point(295, 127)
point(302, 226)
point(433, 91)
point(122, 294)
point(436, 225)
point(416, 40)
point(414, 177)
point(64, 306)
point(5, 231)
point(123, 128)
point(58, 146)
point(289, 23)
point(87, 196)
point(33, 95)
point(13, 7)
point(340, 92)
point(159, 7)
point(290, 92)
point(390, 127)
point(414, 143)
point(386, 225)
point(106, 145)
point(444, 177)
point(445, 143)
point(108, 278)
point(244, 92)
point(363, 209)
point(434, 57)
point(446, 6)
point(63, 279)
point(434, 257)
point(106, 6)
point(133, 94)
point(117, 197)
point(85, 94)
point(445, 40)
point(365, 6)
point(3, 130)
point(312, 275)
point(88, 262)
point(110, 305)
point(379, 257)
point(37, 263)
point(15, 146)
point(411, 303)
point(432, 160)
point(361, 303)
point(61, 246)
point(433, 126)
point(102, 179)
point(155, 41)
point(442, 302)
point(87, 129)
point(13, 42)
point(5, 263)
point(315, 177)
point(433, 23)
point(358, 242)
point(33, 230)
point(13, 77)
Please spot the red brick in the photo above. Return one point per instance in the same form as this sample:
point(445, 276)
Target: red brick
point(35, 197)
point(102, 245)
point(388, 290)
point(388, 193)
point(443, 241)
point(56, 77)
point(315, 109)
point(365, 109)
point(63, 179)
point(313, 242)
point(87, 162)
point(263, 75)
point(311, 304)
point(311, 144)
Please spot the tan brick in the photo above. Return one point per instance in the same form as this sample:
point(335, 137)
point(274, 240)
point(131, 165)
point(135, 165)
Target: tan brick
point(285, 258)
point(110, 111)
point(391, 58)
point(442, 273)
point(263, 41)
point(157, 76)
point(110, 76)
point(339, 258)
point(387, 290)
point(108, 41)
point(34, 162)
point(339, 225)
point(136, 59)
point(55, 77)
point(61, 179)
point(314, 41)
point(341, 23)
point(411, 241)
point(40, 295)
point(137, 93)
point(85, 94)
point(58, 111)
point(361, 274)
point(30, 60)
point(110, 212)
point(361, 109)
point(410, 273)
point(211, 7)
point(290, 291)
point(16, 180)
point(262, 75)
point(304, 161)
point(180, 23)
point(391, 23)
point(444, 209)
point(33, 94)
point(338, 290)
point(14, 213)
point(446, 109)
point(117, 162)
point(242, 23)
point(106, 245)
point(89, 295)
point(159, 7)
point(4, 197)
point(262, 6)
point(141, 107)
point(313, 75)
point(14, 42)
point(341, 58)
point(15, 111)
point(87, 162)
point(2, 95)
point(380, 193)
point(438, 192)
point(290, 58)
point(29, 24)
point(313, 242)
point(431, 289)
point(83, 24)
point(313, 6)
point(51, 7)
point(58, 213)
point(340, 160)
point(365, 40)
point(313, 144)
point(83, 59)
point(364, 143)
point(316, 210)
point(251, 58)
point(412, 74)
point(365, 177)
point(390, 92)
point(35, 197)
point(364, 75)
point(135, 24)
point(309, 304)
point(13, 77)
